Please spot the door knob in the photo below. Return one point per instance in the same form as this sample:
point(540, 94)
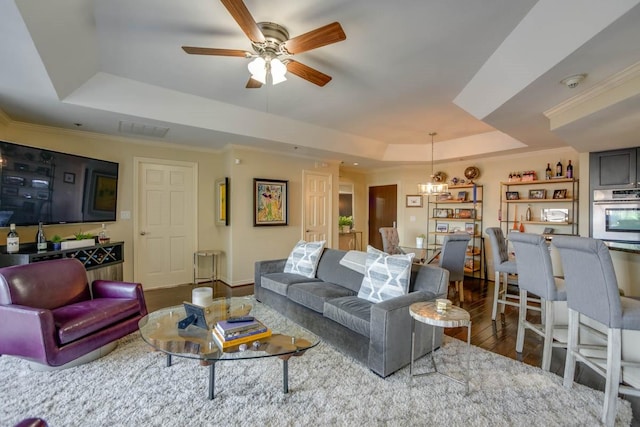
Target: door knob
point(142, 233)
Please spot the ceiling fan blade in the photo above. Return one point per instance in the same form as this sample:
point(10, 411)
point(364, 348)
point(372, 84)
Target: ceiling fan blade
point(218, 52)
point(241, 14)
point(253, 84)
point(322, 36)
point(308, 73)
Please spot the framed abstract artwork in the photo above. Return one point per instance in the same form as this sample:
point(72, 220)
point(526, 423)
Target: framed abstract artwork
point(222, 201)
point(270, 202)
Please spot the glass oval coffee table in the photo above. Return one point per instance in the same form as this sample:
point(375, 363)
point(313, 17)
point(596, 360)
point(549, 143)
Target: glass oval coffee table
point(160, 330)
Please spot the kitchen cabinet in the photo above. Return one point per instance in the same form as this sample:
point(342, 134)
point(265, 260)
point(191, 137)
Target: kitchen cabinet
point(614, 168)
point(553, 204)
point(459, 211)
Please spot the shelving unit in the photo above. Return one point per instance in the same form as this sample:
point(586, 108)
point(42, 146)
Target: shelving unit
point(511, 217)
point(459, 215)
point(102, 261)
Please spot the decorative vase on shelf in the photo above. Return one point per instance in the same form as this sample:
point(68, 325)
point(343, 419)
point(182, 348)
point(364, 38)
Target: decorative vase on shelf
point(420, 242)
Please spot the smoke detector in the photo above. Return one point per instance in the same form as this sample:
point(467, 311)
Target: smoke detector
point(573, 81)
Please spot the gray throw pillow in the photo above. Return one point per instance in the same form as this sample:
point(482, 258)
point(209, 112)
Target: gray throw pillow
point(304, 258)
point(385, 276)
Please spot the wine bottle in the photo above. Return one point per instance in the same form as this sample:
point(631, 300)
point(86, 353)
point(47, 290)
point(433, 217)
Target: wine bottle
point(41, 240)
point(13, 241)
point(547, 172)
point(559, 168)
point(569, 170)
point(103, 236)
point(528, 213)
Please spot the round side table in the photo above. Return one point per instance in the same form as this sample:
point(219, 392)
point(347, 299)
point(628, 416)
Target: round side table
point(214, 255)
point(454, 317)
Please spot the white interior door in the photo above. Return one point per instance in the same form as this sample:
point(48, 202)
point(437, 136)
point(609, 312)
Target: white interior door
point(317, 207)
point(165, 225)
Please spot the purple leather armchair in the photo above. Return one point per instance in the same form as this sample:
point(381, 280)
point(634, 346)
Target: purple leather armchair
point(50, 315)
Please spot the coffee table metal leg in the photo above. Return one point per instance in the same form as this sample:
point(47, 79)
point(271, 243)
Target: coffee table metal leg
point(468, 354)
point(168, 360)
point(285, 375)
point(212, 379)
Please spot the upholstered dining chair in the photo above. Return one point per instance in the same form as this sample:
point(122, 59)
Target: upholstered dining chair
point(502, 266)
point(390, 240)
point(592, 294)
point(535, 275)
point(452, 255)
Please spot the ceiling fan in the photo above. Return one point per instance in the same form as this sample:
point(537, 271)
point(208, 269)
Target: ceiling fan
point(273, 48)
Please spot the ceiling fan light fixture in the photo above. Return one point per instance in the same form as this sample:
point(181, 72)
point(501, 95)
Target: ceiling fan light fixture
point(278, 71)
point(258, 69)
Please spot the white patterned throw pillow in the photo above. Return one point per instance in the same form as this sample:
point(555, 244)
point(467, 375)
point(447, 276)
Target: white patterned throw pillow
point(304, 258)
point(385, 276)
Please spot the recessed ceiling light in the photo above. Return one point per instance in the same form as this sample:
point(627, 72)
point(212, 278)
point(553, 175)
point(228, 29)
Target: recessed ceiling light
point(355, 163)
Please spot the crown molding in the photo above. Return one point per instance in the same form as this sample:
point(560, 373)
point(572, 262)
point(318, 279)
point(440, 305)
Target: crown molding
point(601, 88)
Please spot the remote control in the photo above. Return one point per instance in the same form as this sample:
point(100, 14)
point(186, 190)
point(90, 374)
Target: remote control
point(241, 319)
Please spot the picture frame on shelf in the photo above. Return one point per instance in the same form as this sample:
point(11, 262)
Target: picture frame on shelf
point(512, 195)
point(470, 227)
point(443, 197)
point(465, 213)
point(560, 194)
point(413, 201)
point(442, 227)
point(442, 213)
point(538, 193)
point(462, 196)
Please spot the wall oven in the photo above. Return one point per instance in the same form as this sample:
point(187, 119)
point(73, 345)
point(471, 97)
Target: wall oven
point(616, 215)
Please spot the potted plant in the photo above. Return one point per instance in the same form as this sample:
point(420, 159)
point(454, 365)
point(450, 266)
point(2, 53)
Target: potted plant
point(82, 240)
point(56, 242)
point(345, 223)
point(420, 241)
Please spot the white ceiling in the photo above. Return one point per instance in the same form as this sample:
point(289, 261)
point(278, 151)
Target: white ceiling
point(482, 74)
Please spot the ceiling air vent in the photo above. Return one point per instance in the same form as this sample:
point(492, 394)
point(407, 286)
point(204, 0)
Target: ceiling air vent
point(142, 129)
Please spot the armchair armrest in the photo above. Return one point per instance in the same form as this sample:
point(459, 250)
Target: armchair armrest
point(266, 267)
point(27, 332)
point(114, 289)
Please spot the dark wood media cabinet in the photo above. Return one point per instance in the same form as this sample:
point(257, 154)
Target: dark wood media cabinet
point(100, 261)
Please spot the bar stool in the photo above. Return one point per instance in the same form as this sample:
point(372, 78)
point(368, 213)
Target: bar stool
point(535, 275)
point(592, 295)
point(502, 267)
point(207, 253)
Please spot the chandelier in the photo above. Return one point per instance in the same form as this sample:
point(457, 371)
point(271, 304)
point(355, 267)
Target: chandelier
point(432, 188)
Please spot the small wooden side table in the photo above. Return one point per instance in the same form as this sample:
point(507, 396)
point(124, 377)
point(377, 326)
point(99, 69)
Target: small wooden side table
point(454, 317)
point(214, 255)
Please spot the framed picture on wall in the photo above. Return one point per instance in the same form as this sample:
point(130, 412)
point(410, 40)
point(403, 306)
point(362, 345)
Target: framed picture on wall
point(270, 202)
point(414, 201)
point(222, 201)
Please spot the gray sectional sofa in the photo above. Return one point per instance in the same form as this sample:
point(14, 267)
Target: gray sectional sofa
point(376, 334)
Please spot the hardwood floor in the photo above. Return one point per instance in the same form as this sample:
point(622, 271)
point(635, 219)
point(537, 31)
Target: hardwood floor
point(498, 337)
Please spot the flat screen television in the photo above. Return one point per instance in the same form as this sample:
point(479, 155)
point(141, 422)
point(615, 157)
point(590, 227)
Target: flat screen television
point(40, 185)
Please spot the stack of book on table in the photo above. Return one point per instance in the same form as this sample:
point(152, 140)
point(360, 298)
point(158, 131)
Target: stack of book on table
point(229, 333)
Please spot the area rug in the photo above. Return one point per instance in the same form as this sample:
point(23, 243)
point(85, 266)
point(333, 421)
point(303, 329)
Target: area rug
point(132, 387)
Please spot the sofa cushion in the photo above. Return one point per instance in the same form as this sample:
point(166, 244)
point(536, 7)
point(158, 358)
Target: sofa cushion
point(330, 270)
point(304, 258)
point(355, 260)
point(280, 282)
point(75, 321)
point(386, 276)
point(314, 294)
point(351, 312)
